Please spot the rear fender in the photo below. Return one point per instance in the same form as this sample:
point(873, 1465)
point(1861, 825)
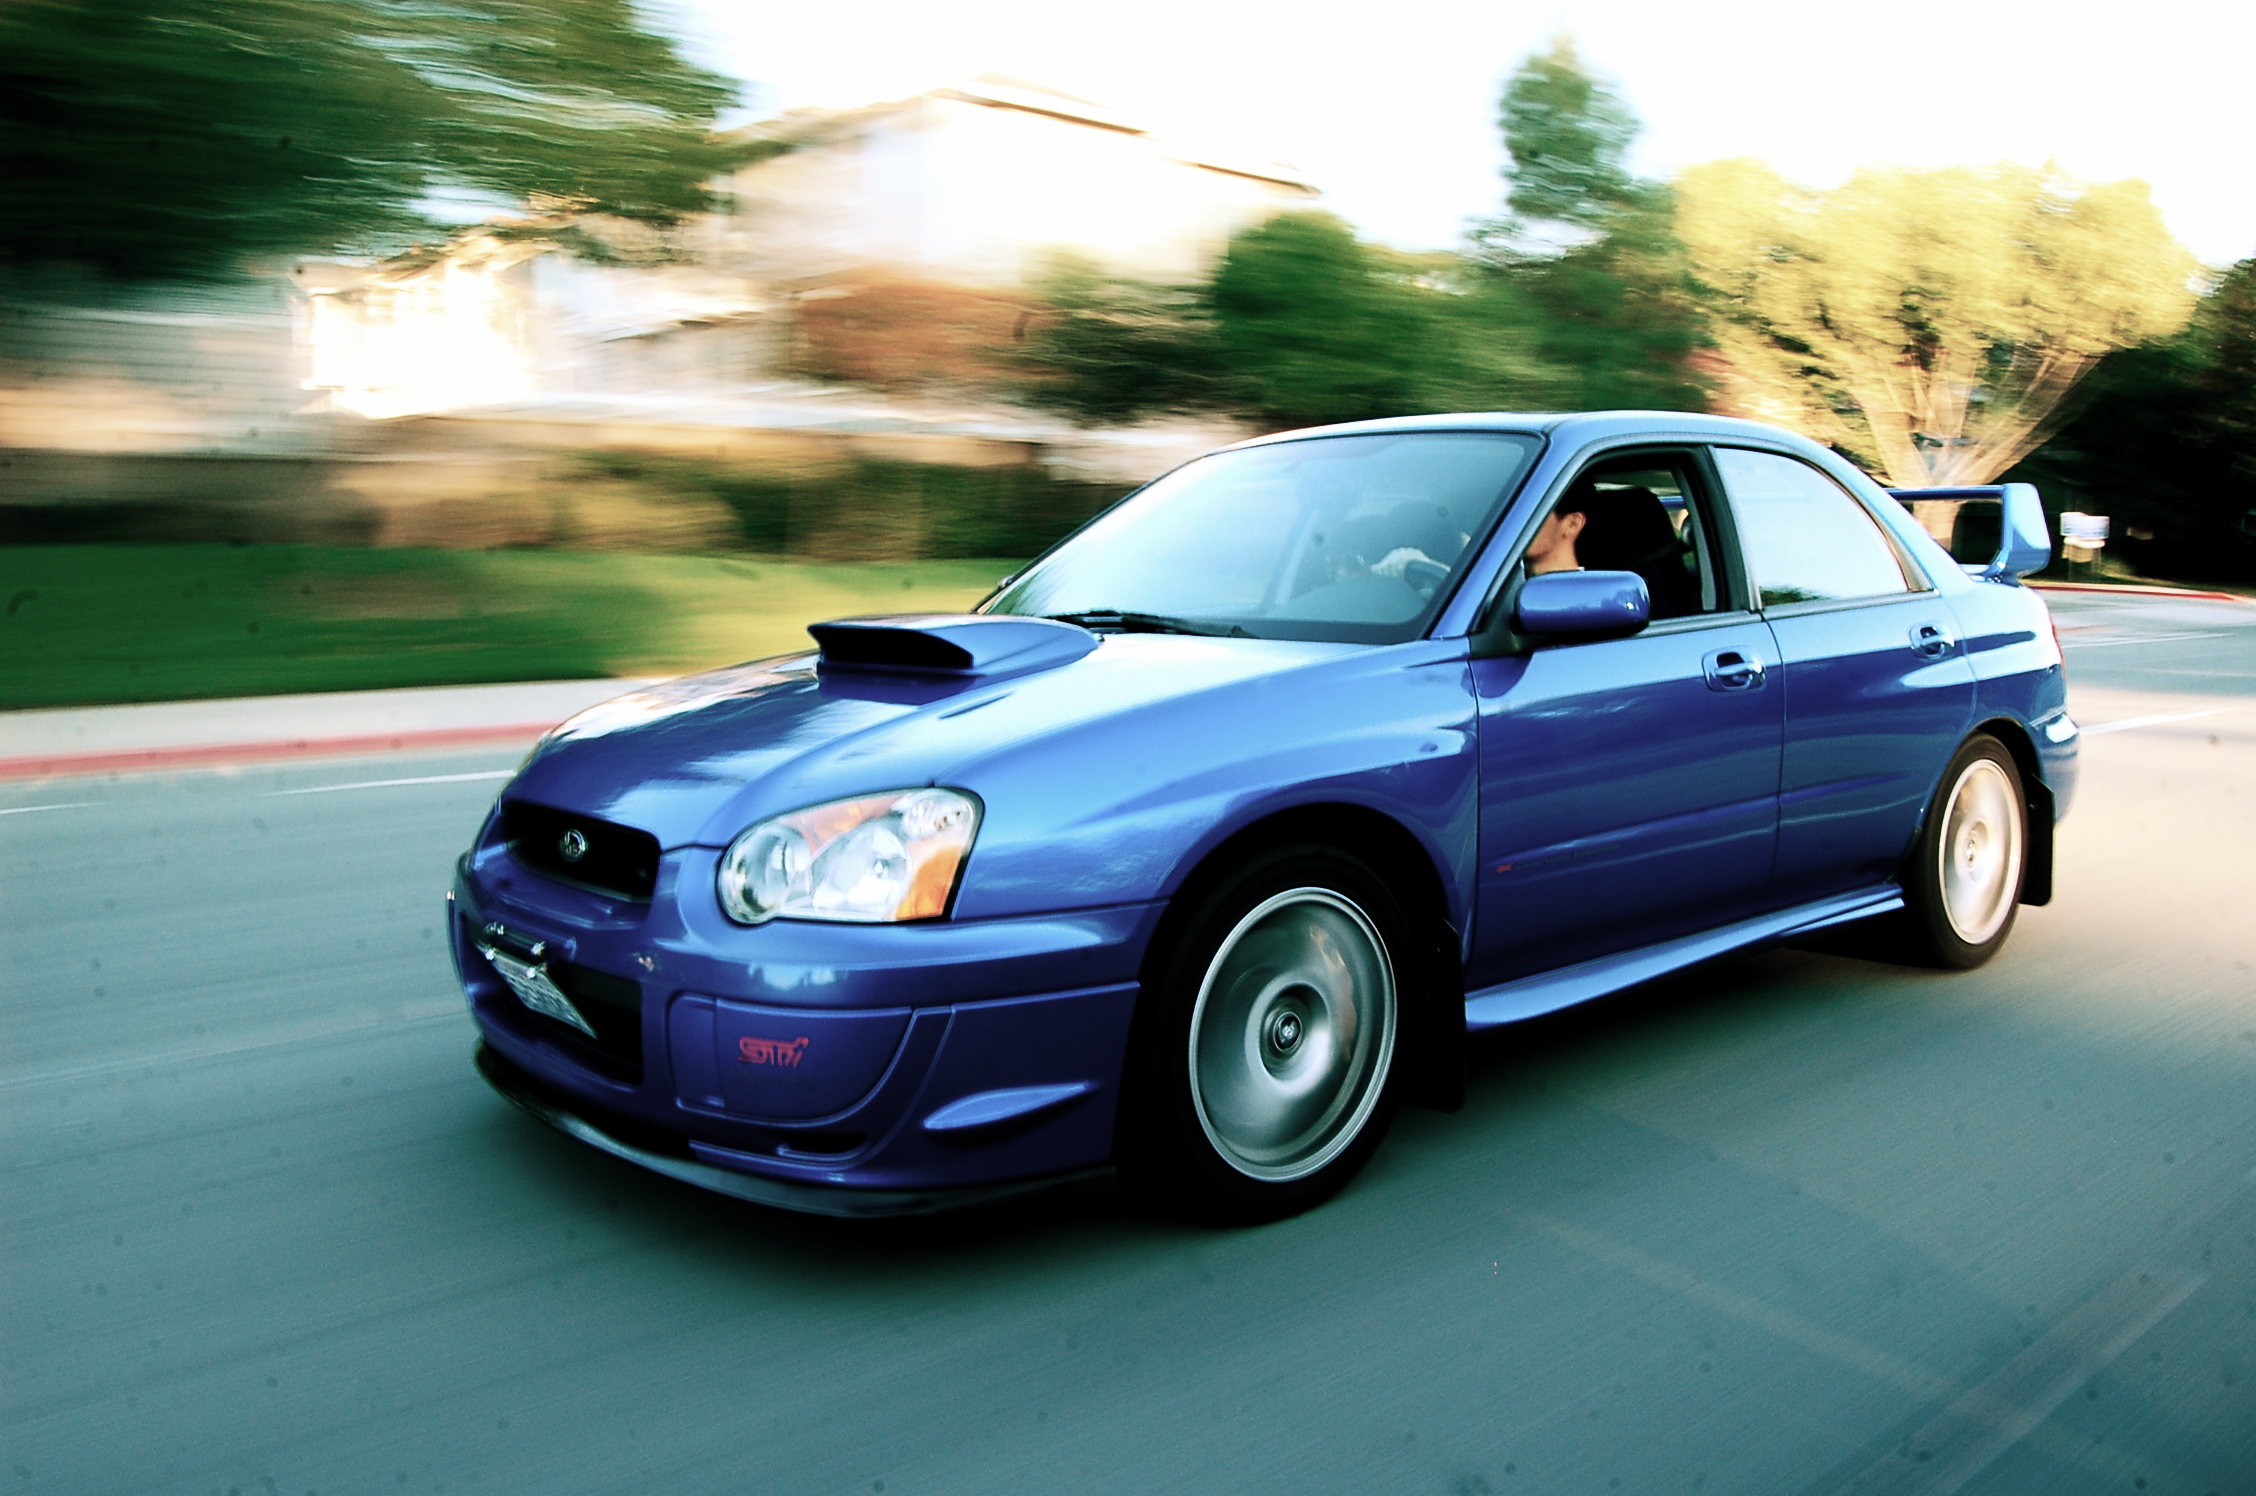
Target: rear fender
point(2036, 796)
point(2036, 882)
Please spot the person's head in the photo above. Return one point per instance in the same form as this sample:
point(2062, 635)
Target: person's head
point(1553, 548)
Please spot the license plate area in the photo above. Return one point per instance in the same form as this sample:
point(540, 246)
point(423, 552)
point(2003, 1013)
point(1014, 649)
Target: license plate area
point(536, 989)
point(595, 1016)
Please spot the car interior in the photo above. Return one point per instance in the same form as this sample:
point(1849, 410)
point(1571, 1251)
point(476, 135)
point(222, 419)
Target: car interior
point(1642, 517)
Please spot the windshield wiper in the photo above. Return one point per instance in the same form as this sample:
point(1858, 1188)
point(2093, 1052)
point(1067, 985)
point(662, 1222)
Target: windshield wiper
point(1113, 621)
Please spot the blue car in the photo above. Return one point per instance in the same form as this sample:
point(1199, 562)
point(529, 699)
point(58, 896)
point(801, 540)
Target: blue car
point(1199, 846)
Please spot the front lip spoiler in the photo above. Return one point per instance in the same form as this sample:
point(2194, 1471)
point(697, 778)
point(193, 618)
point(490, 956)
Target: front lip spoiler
point(783, 1194)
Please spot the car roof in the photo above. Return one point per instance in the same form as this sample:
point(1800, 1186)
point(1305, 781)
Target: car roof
point(1575, 425)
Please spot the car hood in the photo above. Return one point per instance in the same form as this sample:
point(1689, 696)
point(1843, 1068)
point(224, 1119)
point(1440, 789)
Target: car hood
point(696, 760)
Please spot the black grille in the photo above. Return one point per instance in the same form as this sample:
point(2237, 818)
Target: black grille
point(509, 1080)
point(611, 1005)
point(612, 859)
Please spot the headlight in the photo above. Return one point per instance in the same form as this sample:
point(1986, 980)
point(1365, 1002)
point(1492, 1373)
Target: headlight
point(871, 860)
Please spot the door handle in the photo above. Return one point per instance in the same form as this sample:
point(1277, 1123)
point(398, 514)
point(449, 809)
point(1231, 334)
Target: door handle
point(1932, 640)
point(1732, 670)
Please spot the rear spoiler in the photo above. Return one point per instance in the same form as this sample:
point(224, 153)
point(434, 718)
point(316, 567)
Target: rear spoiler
point(2020, 538)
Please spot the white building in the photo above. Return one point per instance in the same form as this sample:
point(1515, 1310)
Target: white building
point(978, 185)
point(975, 187)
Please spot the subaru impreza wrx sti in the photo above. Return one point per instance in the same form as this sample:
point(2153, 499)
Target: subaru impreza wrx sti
point(1198, 847)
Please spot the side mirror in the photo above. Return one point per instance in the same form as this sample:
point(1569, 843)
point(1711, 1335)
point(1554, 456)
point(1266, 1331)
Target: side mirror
point(1580, 604)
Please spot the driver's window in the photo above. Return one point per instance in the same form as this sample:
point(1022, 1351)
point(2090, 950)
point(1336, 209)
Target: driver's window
point(1637, 514)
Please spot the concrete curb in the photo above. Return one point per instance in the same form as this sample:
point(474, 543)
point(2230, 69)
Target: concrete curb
point(206, 755)
point(2139, 590)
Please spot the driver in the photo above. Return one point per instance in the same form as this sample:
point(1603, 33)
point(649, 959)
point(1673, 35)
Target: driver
point(1553, 548)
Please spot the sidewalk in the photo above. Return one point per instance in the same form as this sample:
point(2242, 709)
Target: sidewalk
point(51, 742)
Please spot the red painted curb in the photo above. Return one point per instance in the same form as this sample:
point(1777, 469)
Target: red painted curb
point(2137, 590)
point(147, 760)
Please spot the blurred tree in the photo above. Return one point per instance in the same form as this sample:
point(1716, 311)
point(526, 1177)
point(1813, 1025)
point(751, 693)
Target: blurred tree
point(2164, 441)
point(1109, 350)
point(1927, 322)
point(2229, 380)
point(1318, 326)
point(1619, 318)
point(1568, 136)
point(1589, 251)
point(1486, 343)
point(1300, 323)
point(147, 138)
point(1580, 297)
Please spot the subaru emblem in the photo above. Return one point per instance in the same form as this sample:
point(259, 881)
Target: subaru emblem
point(573, 845)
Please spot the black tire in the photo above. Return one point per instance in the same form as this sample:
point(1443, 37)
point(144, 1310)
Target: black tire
point(1970, 860)
point(1266, 1061)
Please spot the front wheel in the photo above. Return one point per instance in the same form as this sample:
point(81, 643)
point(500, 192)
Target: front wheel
point(1266, 1066)
point(1969, 862)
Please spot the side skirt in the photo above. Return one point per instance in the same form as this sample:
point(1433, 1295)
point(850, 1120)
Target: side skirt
point(1549, 991)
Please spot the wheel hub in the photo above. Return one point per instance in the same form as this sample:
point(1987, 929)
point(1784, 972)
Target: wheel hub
point(1981, 863)
point(1293, 1034)
point(1284, 1031)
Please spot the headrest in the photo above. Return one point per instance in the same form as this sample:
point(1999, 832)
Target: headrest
point(1628, 528)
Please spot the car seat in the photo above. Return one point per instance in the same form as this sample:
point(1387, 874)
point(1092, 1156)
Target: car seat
point(1629, 529)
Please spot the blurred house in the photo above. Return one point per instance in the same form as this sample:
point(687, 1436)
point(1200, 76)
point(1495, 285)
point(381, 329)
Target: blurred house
point(121, 369)
point(981, 185)
point(496, 320)
point(854, 297)
point(942, 210)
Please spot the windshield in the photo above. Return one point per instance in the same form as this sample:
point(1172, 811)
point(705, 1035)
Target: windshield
point(1348, 538)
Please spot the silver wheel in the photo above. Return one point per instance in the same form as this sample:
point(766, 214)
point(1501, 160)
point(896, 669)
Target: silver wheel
point(1292, 1034)
point(1979, 853)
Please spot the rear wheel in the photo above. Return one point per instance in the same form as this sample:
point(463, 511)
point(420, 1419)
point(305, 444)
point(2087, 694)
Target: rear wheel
point(1266, 1067)
point(1969, 862)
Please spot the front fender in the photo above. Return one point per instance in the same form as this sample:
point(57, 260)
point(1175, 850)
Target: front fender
point(1121, 811)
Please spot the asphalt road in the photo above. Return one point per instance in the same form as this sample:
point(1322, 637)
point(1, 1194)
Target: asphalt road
point(1799, 1222)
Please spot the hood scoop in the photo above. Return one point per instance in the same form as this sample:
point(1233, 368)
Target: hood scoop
point(948, 646)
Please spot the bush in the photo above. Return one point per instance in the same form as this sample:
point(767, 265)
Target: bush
point(878, 511)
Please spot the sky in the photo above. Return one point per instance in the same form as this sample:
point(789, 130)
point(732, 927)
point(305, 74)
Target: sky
point(1391, 108)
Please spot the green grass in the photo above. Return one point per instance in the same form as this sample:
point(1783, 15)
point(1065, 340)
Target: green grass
point(88, 624)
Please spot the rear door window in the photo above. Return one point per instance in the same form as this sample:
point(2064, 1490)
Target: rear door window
point(1806, 539)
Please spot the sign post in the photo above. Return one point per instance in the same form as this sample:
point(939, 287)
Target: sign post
point(2082, 536)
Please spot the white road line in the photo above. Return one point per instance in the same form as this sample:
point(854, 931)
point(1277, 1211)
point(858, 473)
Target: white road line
point(1879, 1365)
point(25, 810)
point(2137, 639)
point(1967, 1437)
point(1979, 1423)
point(378, 784)
point(2156, 720)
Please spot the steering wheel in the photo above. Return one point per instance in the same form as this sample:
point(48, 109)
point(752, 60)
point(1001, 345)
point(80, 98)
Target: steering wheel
point(1423, 577)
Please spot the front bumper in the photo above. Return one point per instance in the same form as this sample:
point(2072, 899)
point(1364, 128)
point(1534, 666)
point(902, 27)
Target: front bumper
point(546, 1105)
point(882, 1069)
